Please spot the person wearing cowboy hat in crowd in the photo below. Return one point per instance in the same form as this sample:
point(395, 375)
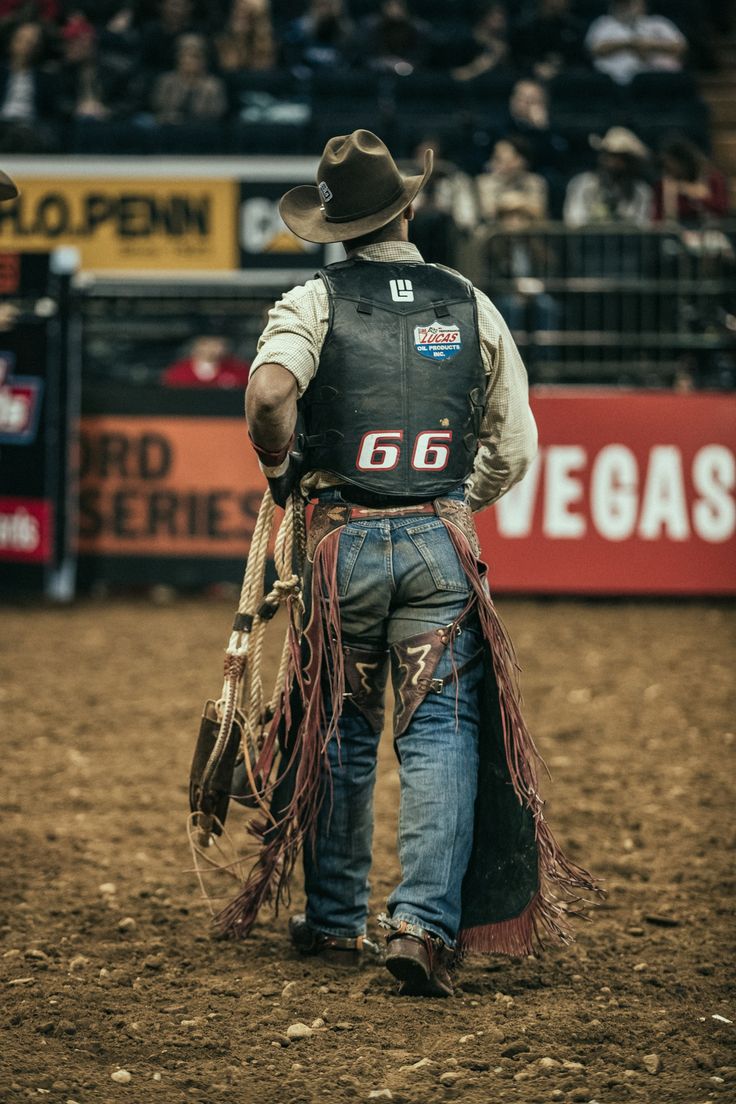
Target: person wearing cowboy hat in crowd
point(8, 188)
point(617, 190)
point(414, 411)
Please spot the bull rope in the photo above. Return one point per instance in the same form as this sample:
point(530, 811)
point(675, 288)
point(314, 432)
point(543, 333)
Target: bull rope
point(243, 695)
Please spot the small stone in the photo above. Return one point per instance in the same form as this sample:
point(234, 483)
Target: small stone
point(640, 967)
point(121, 1077)
point(515, 1048)
point(288, 989)
point(156, 1077)
point(316, 1024)
point(450, 1077)
point(580, 1096)
point(36, 955)
point(298, 1031)
point(548, 1063)
point(127, 924)
point(557, 1094)
point(66, 1027)
point(629, 1073)
point(466, 1038)
point(107, 889)
point(380, 1094)
point(652, 1063)
point(78, 962)
point(343, 1025)
point(153, 962)
point(525, 1075)
point(421, 1064)
point(21, 981)
point(574, 1067)
point(635, 931)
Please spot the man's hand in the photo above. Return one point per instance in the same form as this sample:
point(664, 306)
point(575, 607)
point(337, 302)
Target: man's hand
point(270, 405)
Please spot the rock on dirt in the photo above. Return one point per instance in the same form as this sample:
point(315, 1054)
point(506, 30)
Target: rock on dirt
point(299, 1031)
point(652, 1063)
point(121, 1077)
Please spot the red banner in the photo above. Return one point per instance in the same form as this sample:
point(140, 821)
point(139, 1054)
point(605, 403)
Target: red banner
point(631, 493)
point(26, 530)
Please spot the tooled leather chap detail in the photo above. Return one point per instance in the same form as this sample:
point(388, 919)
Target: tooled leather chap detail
point(413, 664)
point(365, 677)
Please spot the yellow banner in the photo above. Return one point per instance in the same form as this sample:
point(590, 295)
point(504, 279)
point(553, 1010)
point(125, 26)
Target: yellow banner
point(127, 224)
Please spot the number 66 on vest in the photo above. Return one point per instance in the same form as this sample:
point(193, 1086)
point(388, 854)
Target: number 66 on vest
point(380, 450)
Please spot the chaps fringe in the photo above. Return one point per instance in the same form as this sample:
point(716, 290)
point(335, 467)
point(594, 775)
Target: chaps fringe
point(545, 915)
point(279, 841)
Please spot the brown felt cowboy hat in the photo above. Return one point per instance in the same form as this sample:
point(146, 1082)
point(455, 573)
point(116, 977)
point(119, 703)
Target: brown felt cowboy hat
point(8, 190)
point(359, 189)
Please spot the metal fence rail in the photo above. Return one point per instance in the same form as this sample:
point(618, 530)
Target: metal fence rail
point(617, 305)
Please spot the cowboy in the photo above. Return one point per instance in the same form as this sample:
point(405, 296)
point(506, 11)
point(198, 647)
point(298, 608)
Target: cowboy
point(414, 411)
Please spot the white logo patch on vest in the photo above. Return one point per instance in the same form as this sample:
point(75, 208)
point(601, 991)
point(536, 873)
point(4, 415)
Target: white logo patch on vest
point(438, 341)
point(401, 291)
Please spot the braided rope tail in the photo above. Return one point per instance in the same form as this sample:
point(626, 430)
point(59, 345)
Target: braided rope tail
point(241, 703)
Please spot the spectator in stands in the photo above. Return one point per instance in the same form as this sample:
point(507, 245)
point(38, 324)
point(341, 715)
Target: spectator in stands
point(160, 37)
point(321, 37)
point(617, 190)
point(628, 41)
point(91, 86)
point(529, 118)
point(27, 94)
point(509, 172)
point(549, 40)
point(190, 93)
point(490, 44)
point(690, 191)
point(27, 11)
point(247, 41)
point(516, 255)
point(210, 363)
point(449, 190)
point(392, 40)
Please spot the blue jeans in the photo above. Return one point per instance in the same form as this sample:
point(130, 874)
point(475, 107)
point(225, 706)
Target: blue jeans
point(398, 577)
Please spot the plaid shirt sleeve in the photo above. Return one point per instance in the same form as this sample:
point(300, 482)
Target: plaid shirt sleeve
point(508, 437)
point(295, 332)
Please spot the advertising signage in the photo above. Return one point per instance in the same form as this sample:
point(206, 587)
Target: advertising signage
point(631, 493)
point(151, 216)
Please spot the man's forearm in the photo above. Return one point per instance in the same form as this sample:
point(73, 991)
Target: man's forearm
point(270, 403)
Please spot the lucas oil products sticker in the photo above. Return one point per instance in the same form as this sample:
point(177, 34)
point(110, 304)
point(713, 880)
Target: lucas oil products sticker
point(438, 341)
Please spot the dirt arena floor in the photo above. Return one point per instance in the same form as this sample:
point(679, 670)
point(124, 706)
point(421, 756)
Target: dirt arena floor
point(106, 964)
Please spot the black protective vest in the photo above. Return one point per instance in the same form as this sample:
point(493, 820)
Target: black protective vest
point(396, 404)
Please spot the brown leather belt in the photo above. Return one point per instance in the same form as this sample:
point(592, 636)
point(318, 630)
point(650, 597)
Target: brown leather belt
point(357, 512)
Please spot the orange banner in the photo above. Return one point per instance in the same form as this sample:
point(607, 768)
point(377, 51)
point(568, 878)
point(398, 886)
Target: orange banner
point(167, 486)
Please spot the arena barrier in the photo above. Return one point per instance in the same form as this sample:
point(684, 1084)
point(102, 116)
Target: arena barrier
point(632, 493)
point(617, 305)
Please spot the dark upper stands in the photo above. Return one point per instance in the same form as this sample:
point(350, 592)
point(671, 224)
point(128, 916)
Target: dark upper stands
point(293, 109)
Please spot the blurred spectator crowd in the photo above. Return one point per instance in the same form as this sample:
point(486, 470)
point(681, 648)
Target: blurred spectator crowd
point(576, 109)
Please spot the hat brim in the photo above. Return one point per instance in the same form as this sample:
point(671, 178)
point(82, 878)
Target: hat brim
point(301, 210)
point(602, 146)
point(8, 189)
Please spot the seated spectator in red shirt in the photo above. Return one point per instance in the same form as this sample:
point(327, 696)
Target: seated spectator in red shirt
point(690, 190)
point(93, 84)
point(209, 364)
